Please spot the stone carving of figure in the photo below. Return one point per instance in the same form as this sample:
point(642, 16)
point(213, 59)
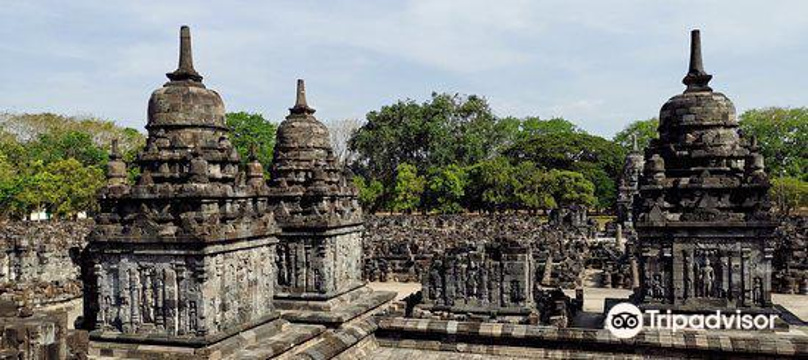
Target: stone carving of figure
point(472, 279)
point(147, 303)
point(435, 283)
point(450, 283)
point(484, 283)
point(516, 292)
point(724, 289)
point(460, 270)
point(171, 303)
point(192, 316)
point(108, 310)
point(707, 279)
point(757, 292)
point(688, 282)
point(159, 301)
point(124, 311)
point(134, 289)
point(101, 318)
point(658, 287)
point(281, 264)
point(318, 281)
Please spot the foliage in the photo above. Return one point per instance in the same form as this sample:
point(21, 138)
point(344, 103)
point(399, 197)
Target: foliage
point(789, 194)
point(533, 187)
point(26, 128)
point(445, 189)
point(644, 130)
point(447, 129)
point(571, 188)
point(370, 193)
point(54, 163)
point(251, 129)
point(533, 126)
point(408, 189)
point(74, 187)
point(52, 147)
point(598, 159)
point(496, 185)
point(63, 188)
point(782, 134)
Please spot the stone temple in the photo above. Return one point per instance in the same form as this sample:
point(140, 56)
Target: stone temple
point(319, 257)
point(481, 281)
point(628, 188)
point(201, 257)
point(184, 261)
point(179, 256)
point(704, 227)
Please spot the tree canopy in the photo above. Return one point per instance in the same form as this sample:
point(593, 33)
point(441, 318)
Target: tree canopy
point(782, 134)
point(471, 159)
point(250, 130)
point(644, 130)
point(55, 163)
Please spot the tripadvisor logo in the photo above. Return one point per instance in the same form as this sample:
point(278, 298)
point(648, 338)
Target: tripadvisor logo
point(625, 320)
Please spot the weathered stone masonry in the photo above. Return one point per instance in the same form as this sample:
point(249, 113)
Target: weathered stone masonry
point(182, 253)
point(705, 232)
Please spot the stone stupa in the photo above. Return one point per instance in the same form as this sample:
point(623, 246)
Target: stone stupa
point(316, 205)
point(704, 228)
point(179, 258)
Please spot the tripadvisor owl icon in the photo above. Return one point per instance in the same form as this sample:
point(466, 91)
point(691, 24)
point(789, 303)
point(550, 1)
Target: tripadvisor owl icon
point(624, 320)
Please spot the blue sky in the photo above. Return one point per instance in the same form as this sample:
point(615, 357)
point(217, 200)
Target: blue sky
point(600, 64)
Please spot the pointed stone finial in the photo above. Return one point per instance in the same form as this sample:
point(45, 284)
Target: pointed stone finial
point(634, 147)
point(185, 70)
point(253, 155)
point(114, 153)
point(696, 78)
point(301, 106)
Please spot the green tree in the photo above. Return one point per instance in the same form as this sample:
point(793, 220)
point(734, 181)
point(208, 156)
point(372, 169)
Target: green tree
point(74, 187)
point(532, 126)
point(251, 129)
point(571, 188)
point(56, 146)
point(445, 189)
point(56, 161)
point(370, 193)
point(599, 160)
point(782, 134)
point(28, 128)
point(33, 188)
point(447, 129)
point(408, 189)
point(495, 179)
point(532, 187)
point(644, 130)
point(789, 194)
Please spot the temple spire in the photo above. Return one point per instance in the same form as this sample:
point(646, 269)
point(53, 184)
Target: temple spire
point(114, 153)
point(301, 106)
point(185, 70)
point(635, 148)
point(696, 78)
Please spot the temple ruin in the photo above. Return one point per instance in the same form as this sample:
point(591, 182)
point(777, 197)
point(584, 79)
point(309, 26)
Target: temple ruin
point(704, 227)
point(203, 257)
point(319, 258)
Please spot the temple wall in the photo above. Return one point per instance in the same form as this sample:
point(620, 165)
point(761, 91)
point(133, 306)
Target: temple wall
point(38, 257)
point(178, 293)
point(399, 247)
point(319, 263)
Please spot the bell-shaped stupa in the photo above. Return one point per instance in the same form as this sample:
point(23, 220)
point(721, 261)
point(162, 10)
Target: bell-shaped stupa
point(704, 227)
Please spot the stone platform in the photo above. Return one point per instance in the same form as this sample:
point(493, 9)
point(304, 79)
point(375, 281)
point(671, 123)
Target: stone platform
point(358, 303)
point(402, 338)
point(274, 337)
